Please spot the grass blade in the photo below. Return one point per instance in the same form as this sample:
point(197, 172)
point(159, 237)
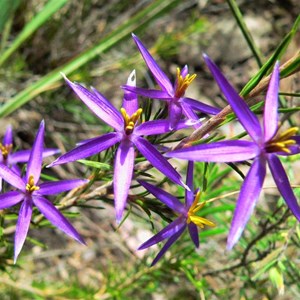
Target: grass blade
point(50, 8)
point(47, 82)
point(271, 61)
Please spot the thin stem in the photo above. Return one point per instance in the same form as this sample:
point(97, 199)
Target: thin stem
point(246, 33)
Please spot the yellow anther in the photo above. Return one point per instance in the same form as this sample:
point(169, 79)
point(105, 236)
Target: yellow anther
point(182, 83)
point(5, 150)
point(199, 221)
point(287, 134)
point(30, 187)
point(130, 121)
point(281, 142)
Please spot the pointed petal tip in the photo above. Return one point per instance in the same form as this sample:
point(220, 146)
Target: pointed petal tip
point(81, 241)
point(153, 263)
point(185, 186)
point(51, 165)
point(205, 56)
point(229, 246)
point(64, 77)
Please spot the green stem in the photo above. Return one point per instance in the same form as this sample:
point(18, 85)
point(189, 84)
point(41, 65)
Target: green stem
point(246, 33)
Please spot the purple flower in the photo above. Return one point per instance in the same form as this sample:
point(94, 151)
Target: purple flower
point(267, 144)
point(187, 217)
point(30, 193)
point(11, 159)
point(172, 94)
point(128, 133)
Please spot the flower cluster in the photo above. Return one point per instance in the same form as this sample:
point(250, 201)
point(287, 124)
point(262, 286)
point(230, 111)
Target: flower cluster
point(129, 137)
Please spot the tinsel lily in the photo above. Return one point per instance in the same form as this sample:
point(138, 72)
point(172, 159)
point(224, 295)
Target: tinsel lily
point(129, 133)
point(187, 217)
point(173, 94)
point(267, 144)
point(30, 192)
point(11, 159)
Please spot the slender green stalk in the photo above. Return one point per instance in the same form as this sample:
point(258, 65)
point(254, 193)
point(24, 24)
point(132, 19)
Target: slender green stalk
point(50, 8)
point(246, 33)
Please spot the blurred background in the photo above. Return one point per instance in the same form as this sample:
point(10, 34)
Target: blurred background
point(91, 42)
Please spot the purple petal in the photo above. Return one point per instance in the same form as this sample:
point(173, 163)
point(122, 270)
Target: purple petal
point(23, 155)
point(189, 113)
point(95, 146)
point(295, 149)
point(184, 71)
point(247, 118)
point(283, 184)
point(158, 74)
point(98, 104)
point(56, 187)
point(157, 160)
point(153, 94)
point(224, 151)
point(130, 100)
point(175, 113)
point(22, 226)
point(124, 163)
point(10, 199)
point(1, 183)
point(168, 231)
point(12, 178)
point(8, 136)
point(86, 141)
point(168, 199)
point(34, 165)
point(193, 230)
point(246, 202)
point(158, 127)
point(16, 170)
point(167, 245)
point(19, 157)
point(189, 195)
point(271, 106)
point(56, 217)
point(200, 106)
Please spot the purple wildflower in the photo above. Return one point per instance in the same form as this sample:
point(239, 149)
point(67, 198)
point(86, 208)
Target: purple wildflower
point(30, 193)
point(11, 159)
point(266, 145)
point(187, 215)
point(128, 133)
point(172, 94)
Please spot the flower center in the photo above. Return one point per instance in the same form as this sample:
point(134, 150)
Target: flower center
point(30, 187)
point(5, 149)
point(281, 142)
point(191, 217)
point(182, 83)
point(130, 121)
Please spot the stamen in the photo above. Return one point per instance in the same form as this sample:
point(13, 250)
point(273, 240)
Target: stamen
point(281, 142)
point(129, 122)
point(30, 187)
point(5, 149)
point(288, 133)
point(182, 83)
point(199, 221)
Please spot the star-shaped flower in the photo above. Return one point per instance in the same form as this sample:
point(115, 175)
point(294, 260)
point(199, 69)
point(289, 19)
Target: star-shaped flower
point(267, 144)
point(129, 133)
point(187, 217)
point(31, 193)
point(173, 94)
point(11, 159)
